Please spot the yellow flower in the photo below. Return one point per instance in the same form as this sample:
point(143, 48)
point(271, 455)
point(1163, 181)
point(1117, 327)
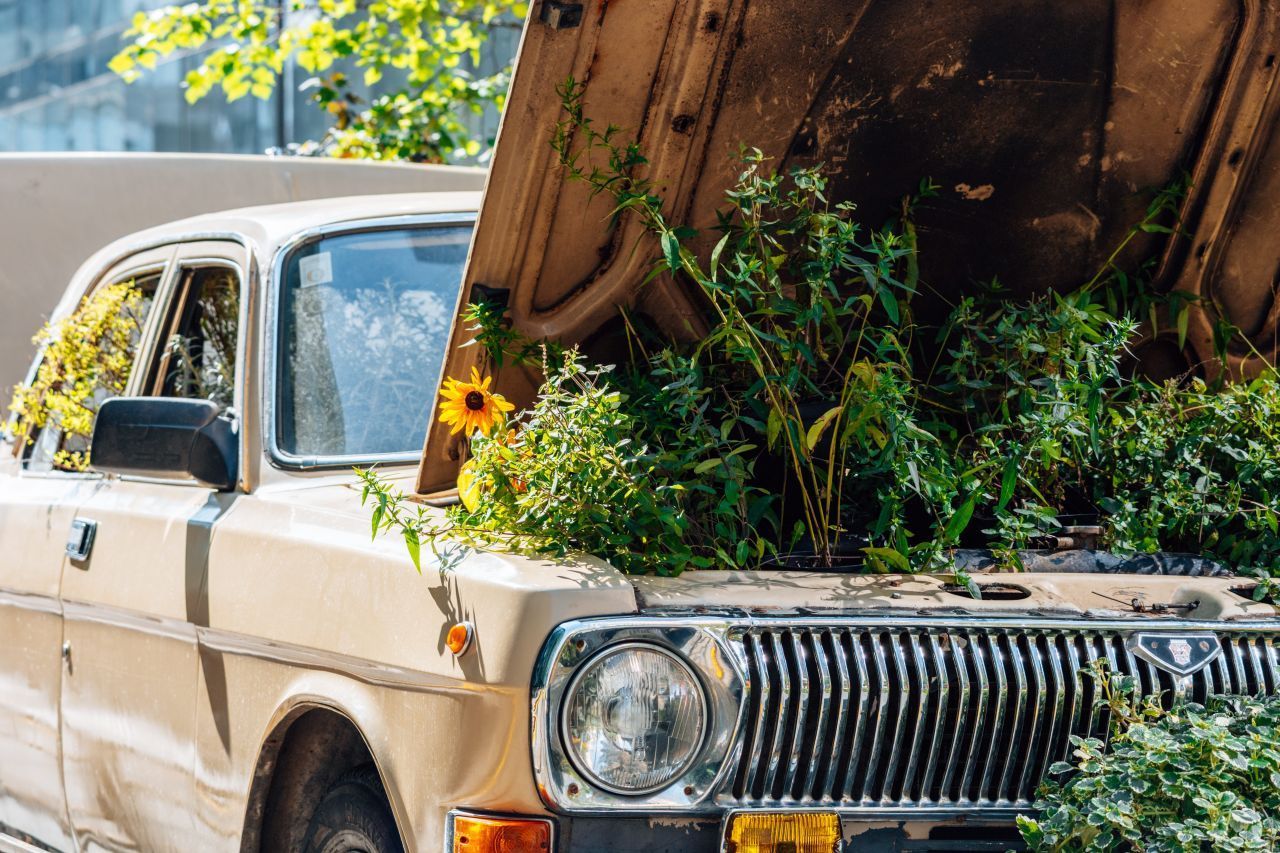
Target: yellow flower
point(470, 406)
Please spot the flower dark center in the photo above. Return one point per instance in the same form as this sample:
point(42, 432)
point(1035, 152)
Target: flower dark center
point(475, 401)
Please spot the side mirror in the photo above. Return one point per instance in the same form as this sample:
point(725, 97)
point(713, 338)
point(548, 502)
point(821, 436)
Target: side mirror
point(165, 437)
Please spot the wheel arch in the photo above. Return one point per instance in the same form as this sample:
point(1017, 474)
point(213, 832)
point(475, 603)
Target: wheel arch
point(309, 744)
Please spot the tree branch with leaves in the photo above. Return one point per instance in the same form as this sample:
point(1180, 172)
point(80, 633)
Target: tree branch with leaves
point(427, 44)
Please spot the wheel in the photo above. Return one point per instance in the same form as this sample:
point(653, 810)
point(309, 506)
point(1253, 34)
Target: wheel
point(354, 817)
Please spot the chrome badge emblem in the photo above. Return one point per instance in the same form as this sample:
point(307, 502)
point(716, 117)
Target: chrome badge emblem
point(1180, 654)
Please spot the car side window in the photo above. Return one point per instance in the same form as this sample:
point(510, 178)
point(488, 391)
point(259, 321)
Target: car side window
point(87, 358)
point(197, 356)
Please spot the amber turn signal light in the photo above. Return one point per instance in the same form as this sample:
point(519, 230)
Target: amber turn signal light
point(500, 835)
point(782, 832)
point(459, 637)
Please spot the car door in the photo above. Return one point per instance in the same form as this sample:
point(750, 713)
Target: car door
point(129, 692)
point(37, 506)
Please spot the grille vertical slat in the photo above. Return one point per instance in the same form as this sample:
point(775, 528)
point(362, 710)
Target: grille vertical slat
point(874, 748)
point(758, 697)
point(1241, 682)
point(1273, 666)
point(1038, 727)
point(958, 717)
point(812, 771)
point(940, 719)
point(782, 704)
point(959, 647)
point(918, 719)
point(972, 778)
point(1076, 711)
point(1257, 681)
point(987, 759)
point(860, 718)
point(799, 718)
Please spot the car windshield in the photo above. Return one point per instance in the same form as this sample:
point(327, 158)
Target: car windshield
point(364, 323)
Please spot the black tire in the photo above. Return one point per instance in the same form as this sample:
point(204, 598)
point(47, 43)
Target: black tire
point(354, 817)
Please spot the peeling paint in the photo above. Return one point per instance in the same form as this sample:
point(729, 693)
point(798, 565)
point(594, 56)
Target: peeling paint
point(685, 823)
point(852, 829)
point(978, 193)
point(939, 71)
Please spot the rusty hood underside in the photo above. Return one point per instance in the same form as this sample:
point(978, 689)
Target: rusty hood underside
point(1048, 126)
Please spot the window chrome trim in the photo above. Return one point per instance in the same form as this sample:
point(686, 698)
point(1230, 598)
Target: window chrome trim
point(574, 643)
point(273, 364)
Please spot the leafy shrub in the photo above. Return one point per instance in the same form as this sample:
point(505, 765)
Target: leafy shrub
point(1194, 469)
point(87, 358)
point(424, 47)
point(629, 468)
point(1191, 779)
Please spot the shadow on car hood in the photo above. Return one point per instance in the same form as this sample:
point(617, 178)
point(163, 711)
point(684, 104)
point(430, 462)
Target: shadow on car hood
point(1048, 127)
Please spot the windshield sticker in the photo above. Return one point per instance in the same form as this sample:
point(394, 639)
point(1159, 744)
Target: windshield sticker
point(315, 269)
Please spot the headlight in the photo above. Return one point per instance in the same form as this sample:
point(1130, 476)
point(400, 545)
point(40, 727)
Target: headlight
point(634, 719)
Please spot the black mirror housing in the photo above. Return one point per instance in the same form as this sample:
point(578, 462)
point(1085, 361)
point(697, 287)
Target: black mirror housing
point(167, 438)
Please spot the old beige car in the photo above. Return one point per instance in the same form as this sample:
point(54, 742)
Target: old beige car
point(204, 650)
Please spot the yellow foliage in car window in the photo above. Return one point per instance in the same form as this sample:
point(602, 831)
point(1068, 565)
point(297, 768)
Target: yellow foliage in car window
point(87, 359)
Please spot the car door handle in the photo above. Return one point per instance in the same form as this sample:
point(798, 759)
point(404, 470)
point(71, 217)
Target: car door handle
point(80, 539)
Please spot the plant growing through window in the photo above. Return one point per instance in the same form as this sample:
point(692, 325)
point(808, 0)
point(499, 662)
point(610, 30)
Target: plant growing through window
point(87, 357)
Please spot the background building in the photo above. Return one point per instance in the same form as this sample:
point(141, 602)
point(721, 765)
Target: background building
point(57, 94)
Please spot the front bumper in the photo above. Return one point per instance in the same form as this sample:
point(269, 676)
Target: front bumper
point(700, 835)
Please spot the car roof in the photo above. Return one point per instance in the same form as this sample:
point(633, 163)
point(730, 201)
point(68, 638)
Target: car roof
point(270, 225)
point(266, 228)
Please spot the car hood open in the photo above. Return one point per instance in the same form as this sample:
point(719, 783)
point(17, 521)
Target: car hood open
point(1048, 127)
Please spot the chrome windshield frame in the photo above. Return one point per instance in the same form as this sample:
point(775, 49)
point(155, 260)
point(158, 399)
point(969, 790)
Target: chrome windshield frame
point(272, 338)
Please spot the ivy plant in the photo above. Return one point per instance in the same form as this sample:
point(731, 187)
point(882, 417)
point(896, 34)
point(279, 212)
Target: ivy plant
point(1191, 779)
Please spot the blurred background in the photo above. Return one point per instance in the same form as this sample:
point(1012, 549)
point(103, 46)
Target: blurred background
point(57, 94)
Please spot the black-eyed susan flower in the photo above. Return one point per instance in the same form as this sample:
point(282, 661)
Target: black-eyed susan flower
point(471, 407)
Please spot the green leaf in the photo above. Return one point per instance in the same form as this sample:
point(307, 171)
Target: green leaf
point(415, 547)
point(671, 250)
point(1008, 481)
point(960, 520)
point(706, 465)
point(889, 302)
point(1184, 318)
point(820, 425)
point(715, 254)
point(890, 557)
point(774, 427)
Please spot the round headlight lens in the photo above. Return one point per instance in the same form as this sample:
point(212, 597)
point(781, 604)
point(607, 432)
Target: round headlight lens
point(634, 719)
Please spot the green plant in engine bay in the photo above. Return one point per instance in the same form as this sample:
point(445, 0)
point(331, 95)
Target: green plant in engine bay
point(582, 470)
point(810, 338)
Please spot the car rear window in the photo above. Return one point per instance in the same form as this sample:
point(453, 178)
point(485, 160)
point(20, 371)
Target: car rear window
point(364, 323)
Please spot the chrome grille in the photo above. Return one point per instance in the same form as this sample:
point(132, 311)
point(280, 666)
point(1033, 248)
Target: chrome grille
point(950, 717)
